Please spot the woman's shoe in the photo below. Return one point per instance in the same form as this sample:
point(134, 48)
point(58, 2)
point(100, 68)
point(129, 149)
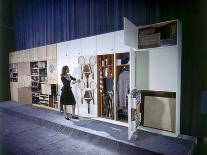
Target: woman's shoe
point(75, 117)
point(67, 118)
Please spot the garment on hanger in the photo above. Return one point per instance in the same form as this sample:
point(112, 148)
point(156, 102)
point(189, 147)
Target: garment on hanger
point(122, 89)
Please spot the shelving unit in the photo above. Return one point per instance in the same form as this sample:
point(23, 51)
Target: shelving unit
point(105, 76)
point(109, 68)
point(156, 35)
point(43, 94)
point(13, 72)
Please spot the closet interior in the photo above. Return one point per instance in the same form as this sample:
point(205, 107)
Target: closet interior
point(113, 86)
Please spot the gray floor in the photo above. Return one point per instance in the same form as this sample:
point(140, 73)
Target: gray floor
point(30, 130)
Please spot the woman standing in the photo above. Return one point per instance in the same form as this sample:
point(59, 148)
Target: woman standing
point(67, 97)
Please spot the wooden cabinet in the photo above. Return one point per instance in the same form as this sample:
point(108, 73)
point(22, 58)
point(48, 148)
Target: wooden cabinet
point(46, 89)
point(14, 91)
point(51, 52)
point(105, 43)
point(24, 68)
point(88, 45)
point(25, 95)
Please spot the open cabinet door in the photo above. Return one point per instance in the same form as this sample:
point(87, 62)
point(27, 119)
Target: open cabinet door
point(131, 101)
point(130, 34)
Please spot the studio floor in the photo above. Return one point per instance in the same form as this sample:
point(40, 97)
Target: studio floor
point(25, 129)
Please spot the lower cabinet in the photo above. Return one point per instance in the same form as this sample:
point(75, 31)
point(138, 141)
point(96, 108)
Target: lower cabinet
point(25, 95)
point(14, 91)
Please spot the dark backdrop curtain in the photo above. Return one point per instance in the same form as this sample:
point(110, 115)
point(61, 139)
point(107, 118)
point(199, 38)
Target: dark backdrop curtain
point(41, 22)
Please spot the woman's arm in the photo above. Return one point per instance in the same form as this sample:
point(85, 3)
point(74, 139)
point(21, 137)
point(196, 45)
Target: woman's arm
point(72, 78)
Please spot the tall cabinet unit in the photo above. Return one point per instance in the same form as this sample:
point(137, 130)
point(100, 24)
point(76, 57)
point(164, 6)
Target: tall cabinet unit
point(105, 81)
point(35, 81)
point(13, 70)
point(156, 62)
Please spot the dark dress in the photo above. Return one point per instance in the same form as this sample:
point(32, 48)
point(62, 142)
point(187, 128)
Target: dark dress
point(67, 97)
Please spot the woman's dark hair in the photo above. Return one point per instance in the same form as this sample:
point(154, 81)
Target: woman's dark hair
point(63, 72)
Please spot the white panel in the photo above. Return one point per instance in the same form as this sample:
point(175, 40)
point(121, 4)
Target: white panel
point(62, 51)
point(74, 47)
point(14, 91)
point(20, 56)
point(163, 69)
point(159, 113)
point(119, 42)
point(88, 45)
point(130, 34)
point(52, 71)
point(51, 52)
point(105, 43)
point(31, 54)
point(35, 52)
point(16, 57)
point(11, 57)
point(178, 95)
point(20, 81)
point(157, 69)
point(26, 55)
point(83, 108)
point(132, 125)
point(27, 82)
point(142, 70)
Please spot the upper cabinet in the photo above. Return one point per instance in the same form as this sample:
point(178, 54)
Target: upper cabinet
point(150, 36)
point(105, 43)
point(73, 47)
point(88, 45)
point(156, 35)
point(51, 52)
point(41, 53)
point(119, 42)
point(130, 34)
point(62, 51)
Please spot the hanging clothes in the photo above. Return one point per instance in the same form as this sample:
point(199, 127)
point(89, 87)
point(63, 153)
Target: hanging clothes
point(122, 89)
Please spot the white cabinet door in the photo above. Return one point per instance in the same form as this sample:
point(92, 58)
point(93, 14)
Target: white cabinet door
point(130, 34)
point(62, 51)
point(105, 43)
point(74, 47)
point(11, 57)
point(26, 55)
point(35, 53)
point(52, 72)
point(52, 52)
point(119, 42)
point(20, 56)
point(88, 45)
point(31, 54)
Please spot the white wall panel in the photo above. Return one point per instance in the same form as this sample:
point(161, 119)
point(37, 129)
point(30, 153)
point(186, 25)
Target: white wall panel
point(157, 69)
point(74, 47)
point(105, 43)
point(88, 45)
